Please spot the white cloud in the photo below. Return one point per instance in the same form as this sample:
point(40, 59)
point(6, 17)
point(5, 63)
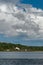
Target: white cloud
point(24, 20)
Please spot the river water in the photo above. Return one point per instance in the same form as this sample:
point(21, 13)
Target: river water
point(21, 58)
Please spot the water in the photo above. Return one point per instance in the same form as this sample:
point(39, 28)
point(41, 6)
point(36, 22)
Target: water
point(21, 58)
point(21, 61)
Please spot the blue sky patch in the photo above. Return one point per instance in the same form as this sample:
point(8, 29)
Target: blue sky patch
point(34, 3)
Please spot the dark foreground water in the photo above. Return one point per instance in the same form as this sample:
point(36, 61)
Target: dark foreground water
point(21, 61)
point(21, 58)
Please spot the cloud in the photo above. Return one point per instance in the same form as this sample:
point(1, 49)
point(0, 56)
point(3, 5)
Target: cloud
point(21, 20)
point(9, 1)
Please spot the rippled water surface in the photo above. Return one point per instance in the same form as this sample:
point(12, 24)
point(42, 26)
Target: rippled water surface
point(21, 61)
point(21, 58)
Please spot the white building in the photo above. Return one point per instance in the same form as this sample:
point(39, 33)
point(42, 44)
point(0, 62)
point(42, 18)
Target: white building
point(17, 48)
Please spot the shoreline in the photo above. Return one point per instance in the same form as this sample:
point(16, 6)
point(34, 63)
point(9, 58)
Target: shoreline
point(21, 51)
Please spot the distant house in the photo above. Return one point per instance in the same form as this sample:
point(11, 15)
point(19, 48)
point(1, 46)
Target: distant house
point(8, 49)
point(25, 49)
point(17, 48)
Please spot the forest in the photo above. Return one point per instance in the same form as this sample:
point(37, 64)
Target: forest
point(18, 47)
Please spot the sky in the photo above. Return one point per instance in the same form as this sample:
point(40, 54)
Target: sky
point(21, 21)
point(34, 3)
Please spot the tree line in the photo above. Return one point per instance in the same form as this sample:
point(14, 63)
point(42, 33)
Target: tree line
point(11, 47)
